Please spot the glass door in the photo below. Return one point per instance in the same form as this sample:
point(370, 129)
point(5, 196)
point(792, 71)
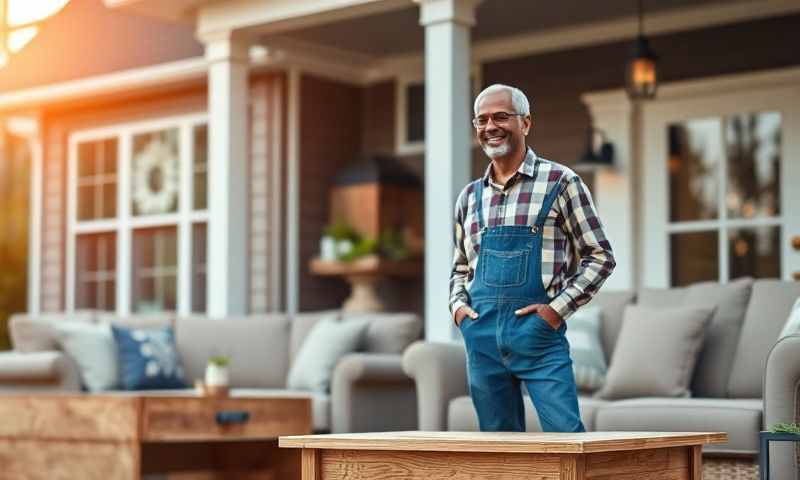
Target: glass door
point(721, 188)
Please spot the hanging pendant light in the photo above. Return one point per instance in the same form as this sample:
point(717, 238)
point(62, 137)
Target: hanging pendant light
point(642, 78)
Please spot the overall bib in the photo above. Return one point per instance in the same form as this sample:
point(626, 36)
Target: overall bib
point(503, 349)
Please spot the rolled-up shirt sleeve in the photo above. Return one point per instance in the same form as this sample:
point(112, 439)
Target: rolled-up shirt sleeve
point(460, 270)
point(584, 230)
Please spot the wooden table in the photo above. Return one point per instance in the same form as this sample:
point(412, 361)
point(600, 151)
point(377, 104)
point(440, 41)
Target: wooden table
point(125, 436)
point(502, 456)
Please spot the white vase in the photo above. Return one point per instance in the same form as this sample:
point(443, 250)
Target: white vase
point(327, 248)
point(216, 375)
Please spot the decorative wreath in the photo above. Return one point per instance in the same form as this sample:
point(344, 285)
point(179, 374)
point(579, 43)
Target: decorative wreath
point(156, 160)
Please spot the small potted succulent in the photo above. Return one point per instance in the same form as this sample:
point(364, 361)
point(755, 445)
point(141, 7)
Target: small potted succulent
point(217, 374)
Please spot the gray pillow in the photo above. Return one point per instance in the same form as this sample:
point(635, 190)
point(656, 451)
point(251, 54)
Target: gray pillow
point(325, 344)
point(792, 325)
point(588, 360)
point(656, 352)
point(93, 349)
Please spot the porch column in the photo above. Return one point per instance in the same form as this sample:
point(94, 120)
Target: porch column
point(226, 286)
point(447, 145)
point(615, 190)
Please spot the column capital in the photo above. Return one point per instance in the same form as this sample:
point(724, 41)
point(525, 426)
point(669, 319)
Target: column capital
point(226, 45)
point(441, 11)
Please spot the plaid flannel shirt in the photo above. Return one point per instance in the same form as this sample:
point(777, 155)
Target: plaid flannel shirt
point(576, 256)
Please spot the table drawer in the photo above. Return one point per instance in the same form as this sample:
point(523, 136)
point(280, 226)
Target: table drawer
point(187, 419)
point(69, 417)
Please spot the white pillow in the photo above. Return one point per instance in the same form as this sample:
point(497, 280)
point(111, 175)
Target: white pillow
point(93, 349)
point(792, 325)
point(326, 343)
point(586, 350)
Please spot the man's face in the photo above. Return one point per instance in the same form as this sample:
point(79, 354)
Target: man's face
point(499, 139)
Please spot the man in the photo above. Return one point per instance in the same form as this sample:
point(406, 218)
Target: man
point(529, 250)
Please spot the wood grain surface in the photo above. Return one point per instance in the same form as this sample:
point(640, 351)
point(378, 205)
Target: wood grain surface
point(65, 417)
point(194, 418)
point(67, 460)
point(504, 442)
point(405, 465)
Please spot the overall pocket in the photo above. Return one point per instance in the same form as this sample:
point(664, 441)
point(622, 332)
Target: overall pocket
point(504, 268)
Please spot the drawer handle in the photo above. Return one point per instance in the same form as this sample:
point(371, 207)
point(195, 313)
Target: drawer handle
point(232, 417)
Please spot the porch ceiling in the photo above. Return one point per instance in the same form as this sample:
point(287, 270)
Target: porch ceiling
point(398, 32)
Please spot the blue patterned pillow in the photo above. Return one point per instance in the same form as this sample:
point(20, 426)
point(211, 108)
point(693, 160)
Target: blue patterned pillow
point(148, 358)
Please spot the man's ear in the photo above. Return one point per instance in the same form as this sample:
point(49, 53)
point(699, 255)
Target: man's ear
point(528, 124)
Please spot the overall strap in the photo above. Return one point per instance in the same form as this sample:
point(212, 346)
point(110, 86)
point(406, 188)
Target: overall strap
point(479, 202)
point(547, 203)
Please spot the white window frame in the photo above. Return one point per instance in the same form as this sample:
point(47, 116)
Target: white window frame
point(416, 76)
point(722, 96)
point(125, 223)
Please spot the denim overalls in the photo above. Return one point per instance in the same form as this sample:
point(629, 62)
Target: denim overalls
point(504, 349)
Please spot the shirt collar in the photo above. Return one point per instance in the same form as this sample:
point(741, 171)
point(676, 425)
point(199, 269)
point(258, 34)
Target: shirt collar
point(527, 167)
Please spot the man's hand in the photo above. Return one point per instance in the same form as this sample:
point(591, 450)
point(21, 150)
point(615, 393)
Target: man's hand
point(545, 311)
point(462, 312)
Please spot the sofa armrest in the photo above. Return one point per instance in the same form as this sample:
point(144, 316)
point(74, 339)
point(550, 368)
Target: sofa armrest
point(38, 371)
point(440, 372)
point(781, 397)
point(371, 393)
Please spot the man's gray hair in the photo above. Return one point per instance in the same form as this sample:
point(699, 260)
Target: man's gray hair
point(518, 99)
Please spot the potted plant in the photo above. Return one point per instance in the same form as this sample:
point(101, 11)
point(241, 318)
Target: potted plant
point(217, 374)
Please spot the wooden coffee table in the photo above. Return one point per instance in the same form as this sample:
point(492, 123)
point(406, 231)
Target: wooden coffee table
point(125, 436)
point(503, 456)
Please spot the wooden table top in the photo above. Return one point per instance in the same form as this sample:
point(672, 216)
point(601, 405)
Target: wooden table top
point(503, 441)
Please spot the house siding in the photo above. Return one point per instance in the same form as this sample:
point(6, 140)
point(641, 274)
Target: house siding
point(330, 137)
point(267, 193)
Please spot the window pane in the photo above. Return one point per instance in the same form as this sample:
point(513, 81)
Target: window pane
point(755, 252)
point(695, 155)
point(97, 179)
point(155, 177)
point(754, 154)
point(154, 269)
point(695, 257)
point(199, 267)
point(95, 271)
point(200, 135)
point(415, 113)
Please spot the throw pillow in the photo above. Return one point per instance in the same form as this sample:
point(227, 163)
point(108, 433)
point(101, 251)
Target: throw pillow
point(792, 325)
point(656, 352)
point(93, 349)
point(588, 359)
point(326, 343)
point(148, 358)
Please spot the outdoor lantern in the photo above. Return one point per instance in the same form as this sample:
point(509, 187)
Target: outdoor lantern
point(599, 151)
point(642, 77)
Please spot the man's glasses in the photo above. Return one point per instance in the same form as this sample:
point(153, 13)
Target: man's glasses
point(498, 118)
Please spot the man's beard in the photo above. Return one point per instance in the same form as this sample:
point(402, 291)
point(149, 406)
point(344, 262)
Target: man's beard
point(499, 151)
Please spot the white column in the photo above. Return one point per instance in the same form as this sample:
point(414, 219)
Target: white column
point(227, 174)
point(615, 188)
point(447, 145)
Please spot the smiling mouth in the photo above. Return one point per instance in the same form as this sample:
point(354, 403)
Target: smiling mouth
point(495, 140)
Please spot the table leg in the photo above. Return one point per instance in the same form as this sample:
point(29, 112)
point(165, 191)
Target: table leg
point(311, 465)
point(696, 463)
point(763, 457)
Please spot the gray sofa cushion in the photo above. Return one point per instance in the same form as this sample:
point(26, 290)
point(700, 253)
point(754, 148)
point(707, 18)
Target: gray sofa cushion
point(656, 352)
point(33, 333)
point(740, 418)
point(301, 324)
point(257, 346)
point(389, 332)
point(461, 415)
point(612, 305)
point(722, 336)
point(769, 307)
